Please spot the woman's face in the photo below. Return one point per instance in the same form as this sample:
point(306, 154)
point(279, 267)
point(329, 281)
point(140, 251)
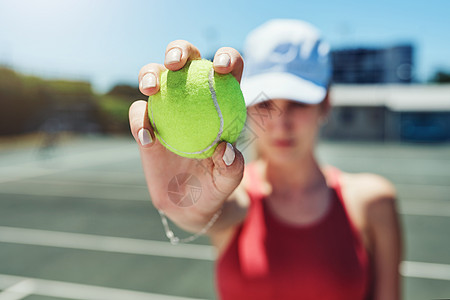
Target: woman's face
point(286, 130)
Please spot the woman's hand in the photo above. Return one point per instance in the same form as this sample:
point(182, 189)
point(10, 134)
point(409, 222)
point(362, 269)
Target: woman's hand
point(211, 180)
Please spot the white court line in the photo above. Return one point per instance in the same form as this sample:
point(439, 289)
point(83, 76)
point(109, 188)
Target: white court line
point(79, 195)
point(60, 289)
point(20, 290)
point(425, 270)
point(420, 185)
point(156, 248)
point(64, 163)
point(106, 175)
point(104, 243)
point(430, 209)
point(51, 288)
point(15, 174)
point(89, 183)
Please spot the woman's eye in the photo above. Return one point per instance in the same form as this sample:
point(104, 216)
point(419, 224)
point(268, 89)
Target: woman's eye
point(264, 105)
point(298, 105)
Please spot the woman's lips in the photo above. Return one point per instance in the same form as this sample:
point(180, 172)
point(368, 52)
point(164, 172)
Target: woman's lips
point(282, 143)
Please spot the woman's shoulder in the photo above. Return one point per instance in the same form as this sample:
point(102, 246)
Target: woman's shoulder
point(371, 197)
point(370, 201)
point(368, 187)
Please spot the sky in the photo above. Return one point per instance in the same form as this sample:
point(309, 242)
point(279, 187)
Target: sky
point(107, 41)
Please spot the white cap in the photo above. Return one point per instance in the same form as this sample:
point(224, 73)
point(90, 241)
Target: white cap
point(285, 59)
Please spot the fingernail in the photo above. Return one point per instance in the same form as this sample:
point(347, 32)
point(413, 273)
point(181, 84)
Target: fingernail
point(173, 56)
point(148, 81)
point(229, 155)
point(144, 136)
point(223, 60)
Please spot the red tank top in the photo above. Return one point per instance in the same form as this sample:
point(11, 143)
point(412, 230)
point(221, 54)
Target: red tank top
point(269, 259)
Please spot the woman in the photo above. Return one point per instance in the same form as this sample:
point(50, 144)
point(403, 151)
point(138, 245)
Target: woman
point(284, 227)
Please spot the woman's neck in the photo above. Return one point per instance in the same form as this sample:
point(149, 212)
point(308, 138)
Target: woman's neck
point(297, 192)
point(302, 176)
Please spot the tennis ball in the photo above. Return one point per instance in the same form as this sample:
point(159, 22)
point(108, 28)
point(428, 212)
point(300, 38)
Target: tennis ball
point(197, 108)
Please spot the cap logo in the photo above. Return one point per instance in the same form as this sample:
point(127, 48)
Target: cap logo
point(284, 53)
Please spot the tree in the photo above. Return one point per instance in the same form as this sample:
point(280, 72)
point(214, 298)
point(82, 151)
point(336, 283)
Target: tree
point(441, 77)
point(127, 92)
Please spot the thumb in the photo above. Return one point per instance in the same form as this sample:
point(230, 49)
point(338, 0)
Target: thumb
point(140, 125)
point(228, 167)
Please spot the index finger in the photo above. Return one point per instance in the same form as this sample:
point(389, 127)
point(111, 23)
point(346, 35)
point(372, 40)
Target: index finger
point(229, 60)
point(149, 78)
point(178, 53)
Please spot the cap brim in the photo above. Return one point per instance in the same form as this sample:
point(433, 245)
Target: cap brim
point(279, 85)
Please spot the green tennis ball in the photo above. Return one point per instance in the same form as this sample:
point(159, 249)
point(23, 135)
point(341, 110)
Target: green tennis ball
point(197, 108)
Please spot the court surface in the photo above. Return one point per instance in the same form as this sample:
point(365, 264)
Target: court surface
point(76, 221)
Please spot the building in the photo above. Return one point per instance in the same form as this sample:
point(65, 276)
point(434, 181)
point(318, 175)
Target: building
point(419, 113)
point(373, 65)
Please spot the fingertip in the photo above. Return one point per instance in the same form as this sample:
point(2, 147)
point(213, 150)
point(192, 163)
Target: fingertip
point(149, 81)
point(136, 108)
point(178, 53)
point(140, 124)
point(149, 78)
point(149, 84)
point(145, 137)
point(173, 59)
point(229, 155)
point(228, 60)
point(149, 91)
point(221, 61)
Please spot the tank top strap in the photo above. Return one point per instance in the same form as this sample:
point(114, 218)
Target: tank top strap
point(254, 187)
point(334, 176)
point(252, 252)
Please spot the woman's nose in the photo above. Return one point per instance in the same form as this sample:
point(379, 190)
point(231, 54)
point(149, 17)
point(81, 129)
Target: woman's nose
point(283, 122)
